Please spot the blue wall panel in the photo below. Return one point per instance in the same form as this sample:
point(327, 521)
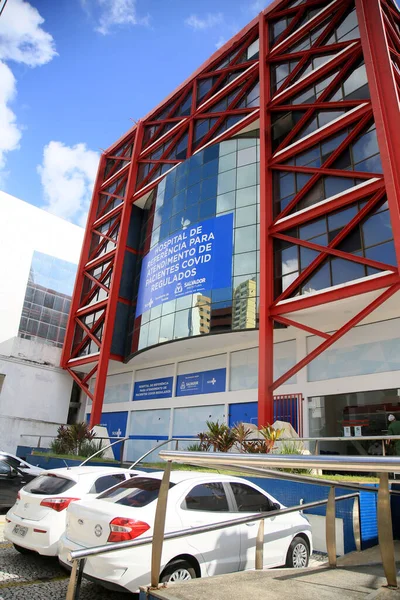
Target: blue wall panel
point(290, 493)
point(243, 412)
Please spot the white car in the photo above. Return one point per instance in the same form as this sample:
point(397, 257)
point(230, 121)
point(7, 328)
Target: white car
point(36, 522)
point(127, 511)
point(22, 465)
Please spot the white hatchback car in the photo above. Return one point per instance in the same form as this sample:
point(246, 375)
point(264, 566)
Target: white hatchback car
point(36, 522)
point(127, 511)
point(22, 465)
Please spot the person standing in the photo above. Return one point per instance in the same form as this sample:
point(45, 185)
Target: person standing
point(394, 429)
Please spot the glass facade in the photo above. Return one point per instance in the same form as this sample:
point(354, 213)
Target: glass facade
point(222, 179)
point(47, 299)
point(330, 415)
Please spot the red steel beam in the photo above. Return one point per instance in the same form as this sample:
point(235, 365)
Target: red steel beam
point(385, 103)
point(333, 294)
point(77, 293)
point(105, 349)
point(291, 323)
point(83, 387)
point(266, 324)
point(337, 335)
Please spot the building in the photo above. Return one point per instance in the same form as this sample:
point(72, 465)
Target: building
point(40, 253)
point(244, 305)
point(274, 171)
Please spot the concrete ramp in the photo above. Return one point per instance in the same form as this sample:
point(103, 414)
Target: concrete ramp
point(359, 576)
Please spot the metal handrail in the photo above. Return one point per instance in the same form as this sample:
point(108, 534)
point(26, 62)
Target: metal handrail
point(381, 464)
point(106, 548)
point(243, 462)
point(351, 438)
point(163, 443)
point(78, 557)
point(272, 474)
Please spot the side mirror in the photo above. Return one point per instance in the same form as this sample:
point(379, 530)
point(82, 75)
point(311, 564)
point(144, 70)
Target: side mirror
point(276, 506)
point(14, 472)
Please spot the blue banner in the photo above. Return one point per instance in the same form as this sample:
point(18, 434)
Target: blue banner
point(153, 389)
point(193, 260)
point(204, 382)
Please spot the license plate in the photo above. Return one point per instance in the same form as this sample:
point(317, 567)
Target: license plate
point(20, 530)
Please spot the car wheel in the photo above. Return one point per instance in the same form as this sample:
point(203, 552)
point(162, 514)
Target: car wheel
point(178, 570)
point(23, 550)
point(298, 554)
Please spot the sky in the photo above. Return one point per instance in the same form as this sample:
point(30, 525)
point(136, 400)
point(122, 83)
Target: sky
point(74, 74)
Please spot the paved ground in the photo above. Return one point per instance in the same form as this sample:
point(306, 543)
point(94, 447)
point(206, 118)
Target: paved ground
point(32, 577)
point(37, 578)
point(359, 576)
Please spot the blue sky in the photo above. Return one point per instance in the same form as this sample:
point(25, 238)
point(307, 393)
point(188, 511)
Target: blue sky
point(74, 72)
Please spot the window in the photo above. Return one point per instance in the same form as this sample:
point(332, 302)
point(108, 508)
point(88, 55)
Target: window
point(5, 469)
point(49, 484)
point(209, 497)
point(136, 492)
point(13, 462)
point(250, 500)
point(104, 483)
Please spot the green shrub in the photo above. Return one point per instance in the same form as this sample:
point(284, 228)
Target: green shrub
point(294, 448)
point(76, 439)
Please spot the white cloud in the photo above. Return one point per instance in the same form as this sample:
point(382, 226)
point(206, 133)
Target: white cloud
point(220, 42)
point(111, 13)
point(24, 41)
point(21, 37)
point(207, 22)
point(67, 174)
point(10, 132)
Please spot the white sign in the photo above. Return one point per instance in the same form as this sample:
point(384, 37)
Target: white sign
point(358, 430)
point(347, 431)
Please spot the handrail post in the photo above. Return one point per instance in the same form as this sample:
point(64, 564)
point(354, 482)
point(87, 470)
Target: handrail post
point(331, 528)
point(260, 546)
point(385, 531)
point(356, 523)
point(316, 449)
point(177, 445)
point(159, 525)
point(122, 450)
point(383, 447)
point(73, 580)
point(39, 441)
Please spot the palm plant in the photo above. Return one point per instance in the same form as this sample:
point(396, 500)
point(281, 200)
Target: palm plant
point(79, 433)
point(270, 433)
point(226, 440)
point(258, 447)
point(241, 434)
point(214, 433)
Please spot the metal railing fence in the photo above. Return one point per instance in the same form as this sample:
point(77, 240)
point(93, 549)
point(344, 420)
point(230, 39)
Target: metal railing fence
point(244, 463)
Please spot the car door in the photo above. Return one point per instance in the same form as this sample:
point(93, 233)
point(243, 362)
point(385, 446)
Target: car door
point(277, 530)
point(10, 483)
point(204, 504)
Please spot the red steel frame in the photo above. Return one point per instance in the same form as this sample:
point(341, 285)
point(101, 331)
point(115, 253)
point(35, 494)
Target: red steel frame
point(136, 163)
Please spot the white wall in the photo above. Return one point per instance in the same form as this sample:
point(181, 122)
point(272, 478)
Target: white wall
point(34, 398)
point(36, 393)
point(27, 228)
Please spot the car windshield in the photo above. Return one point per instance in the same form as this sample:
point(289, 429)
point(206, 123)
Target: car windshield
point(136, 492)
point(12, 461)
point(49, 484)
